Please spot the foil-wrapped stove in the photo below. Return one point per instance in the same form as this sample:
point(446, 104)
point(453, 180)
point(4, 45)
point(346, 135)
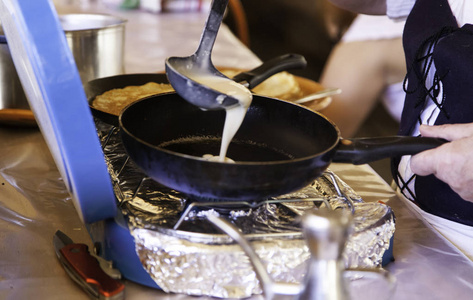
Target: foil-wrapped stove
point(184, 253)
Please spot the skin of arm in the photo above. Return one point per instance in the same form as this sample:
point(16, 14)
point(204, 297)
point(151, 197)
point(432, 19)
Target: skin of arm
point(369, 7)
point(362, 70)
point(451, 162)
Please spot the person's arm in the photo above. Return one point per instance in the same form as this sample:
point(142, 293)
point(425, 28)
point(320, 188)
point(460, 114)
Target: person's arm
point(451, 162)
point(369, 7)
point(362, 70)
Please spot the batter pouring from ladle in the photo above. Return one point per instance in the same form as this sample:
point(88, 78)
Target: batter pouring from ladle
point(234, 114)
point(196, 80)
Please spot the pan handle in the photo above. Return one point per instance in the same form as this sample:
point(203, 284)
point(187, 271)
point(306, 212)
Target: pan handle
point(252, 78)
point(364, 150)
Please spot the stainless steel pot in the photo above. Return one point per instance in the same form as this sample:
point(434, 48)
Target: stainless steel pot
point(14, 108)
point(97, 42)
point(11, 93)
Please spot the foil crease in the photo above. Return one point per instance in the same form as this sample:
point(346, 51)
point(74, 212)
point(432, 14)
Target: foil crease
point(184, 253)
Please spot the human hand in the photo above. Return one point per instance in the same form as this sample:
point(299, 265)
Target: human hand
point(452, 162)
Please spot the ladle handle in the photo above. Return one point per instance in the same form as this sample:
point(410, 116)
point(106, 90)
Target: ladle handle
point(212, 25)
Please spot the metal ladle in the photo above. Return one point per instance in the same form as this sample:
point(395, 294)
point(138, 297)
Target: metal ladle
point(182, 71)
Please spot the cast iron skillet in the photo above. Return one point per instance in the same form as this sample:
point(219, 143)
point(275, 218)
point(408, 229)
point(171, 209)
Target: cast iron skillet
point(281, 147)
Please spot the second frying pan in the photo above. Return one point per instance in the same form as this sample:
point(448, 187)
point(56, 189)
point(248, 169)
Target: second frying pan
point(249, 79)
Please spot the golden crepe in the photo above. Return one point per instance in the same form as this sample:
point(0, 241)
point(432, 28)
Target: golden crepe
point(113, 101)
point(282, 85)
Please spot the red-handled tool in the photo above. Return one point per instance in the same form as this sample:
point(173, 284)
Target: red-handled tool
point(85, 269)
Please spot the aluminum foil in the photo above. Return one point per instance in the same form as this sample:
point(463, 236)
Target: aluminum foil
point(184, 253)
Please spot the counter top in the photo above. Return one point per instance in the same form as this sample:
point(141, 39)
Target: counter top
point(150, 38)
point(34, 202)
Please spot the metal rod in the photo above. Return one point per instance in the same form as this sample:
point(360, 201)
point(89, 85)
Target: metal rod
point(339, 191)
point(108, 136)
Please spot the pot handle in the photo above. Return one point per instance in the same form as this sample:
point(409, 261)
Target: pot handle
point(252, 78)
point(364, 150)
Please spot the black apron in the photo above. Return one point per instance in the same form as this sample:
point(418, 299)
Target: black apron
point(431, 34)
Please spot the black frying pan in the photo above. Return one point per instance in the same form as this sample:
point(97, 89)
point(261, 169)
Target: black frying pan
point(280, 147)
